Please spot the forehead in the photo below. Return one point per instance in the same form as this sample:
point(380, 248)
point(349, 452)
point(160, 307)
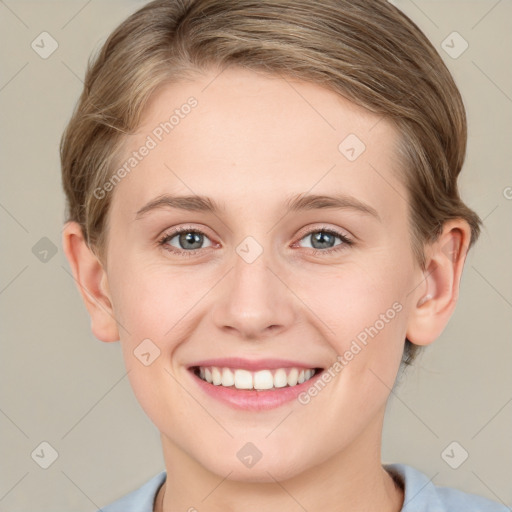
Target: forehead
point(239, 136)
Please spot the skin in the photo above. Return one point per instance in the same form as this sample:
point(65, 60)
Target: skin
point(252, 142)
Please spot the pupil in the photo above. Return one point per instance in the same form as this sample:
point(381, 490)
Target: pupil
point(321, 237)
point(191, 238)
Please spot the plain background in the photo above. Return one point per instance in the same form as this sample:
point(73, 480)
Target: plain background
point(62, 386)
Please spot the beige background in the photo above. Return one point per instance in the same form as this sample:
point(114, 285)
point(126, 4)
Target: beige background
point(62, 386)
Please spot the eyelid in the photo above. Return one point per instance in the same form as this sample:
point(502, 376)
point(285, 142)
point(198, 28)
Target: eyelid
point(171, 232)
point(325, 228)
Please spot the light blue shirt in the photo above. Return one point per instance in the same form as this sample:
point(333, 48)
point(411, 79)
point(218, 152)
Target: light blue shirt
point(420, 495)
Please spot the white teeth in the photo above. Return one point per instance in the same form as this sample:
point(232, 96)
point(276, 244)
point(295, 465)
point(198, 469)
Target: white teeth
point(280, 378)
point(292, 377)
point(262, 379)
point(216, 376)
point(228, 379)
point(243, 379)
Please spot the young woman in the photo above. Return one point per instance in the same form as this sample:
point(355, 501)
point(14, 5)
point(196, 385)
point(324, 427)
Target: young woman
point(263, 210)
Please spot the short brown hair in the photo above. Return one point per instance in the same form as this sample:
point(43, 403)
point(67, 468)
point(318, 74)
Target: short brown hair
point(368, 52)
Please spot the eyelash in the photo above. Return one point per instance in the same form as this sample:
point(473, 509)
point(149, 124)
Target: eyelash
point(162, 242)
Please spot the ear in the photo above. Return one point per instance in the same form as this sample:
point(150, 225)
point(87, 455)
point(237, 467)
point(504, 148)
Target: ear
point(91, 280)
point(434, 301)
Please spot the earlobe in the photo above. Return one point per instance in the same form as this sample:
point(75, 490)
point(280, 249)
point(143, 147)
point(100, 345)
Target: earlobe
point(435, 301)
point(92, 282)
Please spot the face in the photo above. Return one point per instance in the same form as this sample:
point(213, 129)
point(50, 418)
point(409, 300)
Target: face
point(268, 284)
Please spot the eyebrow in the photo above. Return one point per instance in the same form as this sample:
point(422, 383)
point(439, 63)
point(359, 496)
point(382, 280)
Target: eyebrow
point(296, 203)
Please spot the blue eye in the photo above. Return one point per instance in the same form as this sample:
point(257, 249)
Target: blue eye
point(324, 238)
point(190, 241)
point(187, 238)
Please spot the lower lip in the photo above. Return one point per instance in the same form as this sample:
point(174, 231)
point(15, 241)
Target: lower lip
point(253, 400)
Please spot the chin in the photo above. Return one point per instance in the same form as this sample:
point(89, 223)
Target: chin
point(267, 469)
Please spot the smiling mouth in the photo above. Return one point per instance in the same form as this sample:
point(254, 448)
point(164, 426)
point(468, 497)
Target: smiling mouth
point(259, 380)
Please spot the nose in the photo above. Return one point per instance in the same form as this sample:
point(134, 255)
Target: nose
point(254, 300)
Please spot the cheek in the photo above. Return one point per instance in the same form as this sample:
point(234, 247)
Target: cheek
point(363, 315)
point(352, 300)
point(363, 311)
point(153, 307)
point(153, 302)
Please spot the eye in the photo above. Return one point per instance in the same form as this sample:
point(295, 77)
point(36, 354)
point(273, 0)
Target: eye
point(185, 241)
point(322, 240)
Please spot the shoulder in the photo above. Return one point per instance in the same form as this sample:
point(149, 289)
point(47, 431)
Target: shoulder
point(421, 495)
point(140, 500)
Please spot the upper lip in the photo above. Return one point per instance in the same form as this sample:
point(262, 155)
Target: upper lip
point(252, 364)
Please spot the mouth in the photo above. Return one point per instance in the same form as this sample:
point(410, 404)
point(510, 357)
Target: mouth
point(253, 385)
point(266, 379)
